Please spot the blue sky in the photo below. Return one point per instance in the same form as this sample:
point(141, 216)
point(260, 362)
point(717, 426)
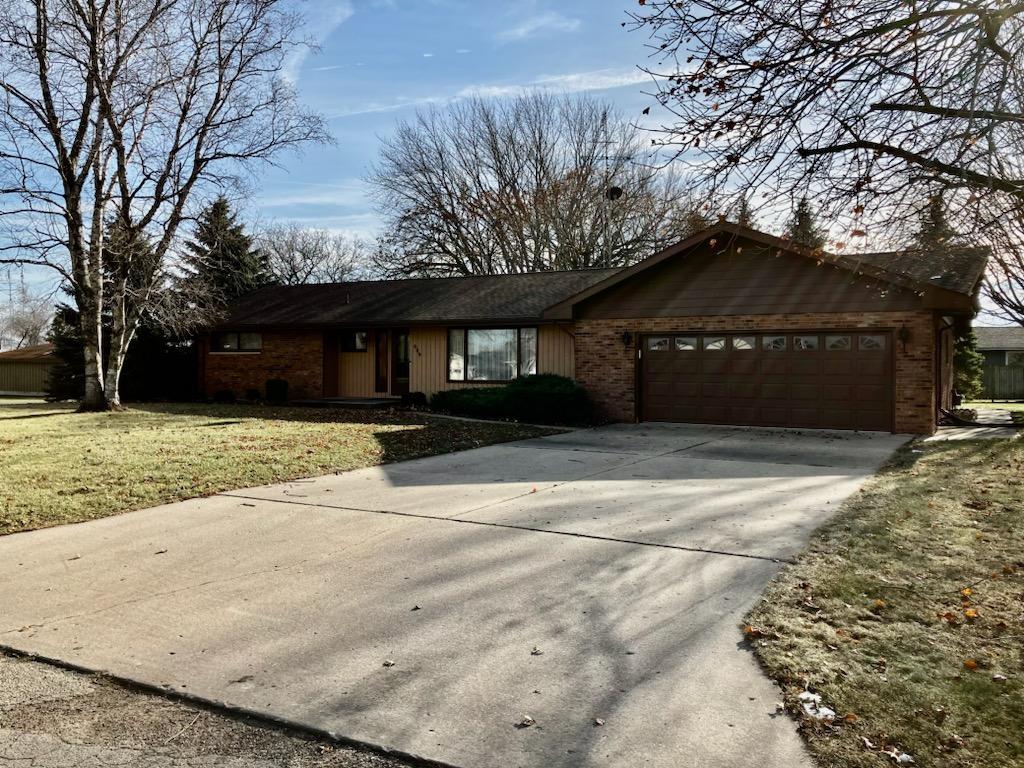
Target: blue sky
point(380, 60)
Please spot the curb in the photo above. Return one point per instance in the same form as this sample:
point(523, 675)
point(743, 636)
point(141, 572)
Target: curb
point(261, 719)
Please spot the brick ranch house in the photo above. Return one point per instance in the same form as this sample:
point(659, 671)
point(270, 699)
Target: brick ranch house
point(730, 326)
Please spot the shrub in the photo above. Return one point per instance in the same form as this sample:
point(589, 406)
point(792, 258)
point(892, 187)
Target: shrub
point(224, 396)
point(544, 398)
point(277, 391)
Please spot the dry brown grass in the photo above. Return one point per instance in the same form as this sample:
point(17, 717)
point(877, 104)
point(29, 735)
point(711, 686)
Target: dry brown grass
point(907, 611)
point(59, 466)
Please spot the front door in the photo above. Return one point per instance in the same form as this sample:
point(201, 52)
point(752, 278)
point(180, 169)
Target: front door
point(400, 362)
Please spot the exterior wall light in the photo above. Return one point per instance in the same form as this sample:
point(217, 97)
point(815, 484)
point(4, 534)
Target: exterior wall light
point(627, 339)
point(903, 334)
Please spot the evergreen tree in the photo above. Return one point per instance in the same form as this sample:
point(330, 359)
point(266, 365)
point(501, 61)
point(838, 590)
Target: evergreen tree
point(744, 216)
point(803, 227)
point(934, 231)
point(222, 256)
point(968, 366)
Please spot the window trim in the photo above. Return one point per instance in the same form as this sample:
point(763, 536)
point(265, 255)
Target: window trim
point(465, 345)
point(345, 349)
point(238, 341)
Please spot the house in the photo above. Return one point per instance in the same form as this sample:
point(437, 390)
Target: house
point(25, 371)
point(730, 326)
point(1003, 345)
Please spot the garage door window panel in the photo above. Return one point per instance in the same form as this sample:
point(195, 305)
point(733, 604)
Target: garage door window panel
point(686, 343)
point(744, 343)
point(774, 343)
point(871, 343)
point(657, 344)
point(714, 343)
point(805, 343)
point(838, 343)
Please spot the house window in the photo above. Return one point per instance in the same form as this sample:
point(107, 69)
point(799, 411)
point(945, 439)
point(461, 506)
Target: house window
point(686, 343)
point(354, 341)
point(491, 354)
point(714, 343)
point(872, 343)
point(805, 343)
point(657, 344)
point(1014, 357)
point(237, 342)
point(773, 343)
point(743, 343)
point(838, 343)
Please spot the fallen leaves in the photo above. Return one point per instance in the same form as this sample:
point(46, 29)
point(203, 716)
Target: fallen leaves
point(525, 722)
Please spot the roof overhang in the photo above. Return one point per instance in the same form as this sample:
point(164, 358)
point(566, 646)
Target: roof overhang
point(724, 234)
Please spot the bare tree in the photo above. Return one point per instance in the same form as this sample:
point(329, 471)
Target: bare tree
point(130, 110)
point(297, 254)
point(860, 106)
point(24, 317)
point(533, 183)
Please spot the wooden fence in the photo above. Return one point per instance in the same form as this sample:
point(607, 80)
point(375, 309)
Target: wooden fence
point(1003, 382)
point(23, 378)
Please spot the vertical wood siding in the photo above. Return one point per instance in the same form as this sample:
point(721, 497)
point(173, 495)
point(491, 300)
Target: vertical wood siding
point(356, 377)
point(23, 378)
point(429, 362)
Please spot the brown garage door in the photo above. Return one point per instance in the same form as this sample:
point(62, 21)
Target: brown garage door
point(830, 379)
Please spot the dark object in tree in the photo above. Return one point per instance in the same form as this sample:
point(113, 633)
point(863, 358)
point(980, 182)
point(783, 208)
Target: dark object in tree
point(744, 216)
point(968, 366)
point(222, 259)
point(277, 391)
point(67, 377)
point(934, 230)
point(803, 226)
point(542, 398)
point(491, 186)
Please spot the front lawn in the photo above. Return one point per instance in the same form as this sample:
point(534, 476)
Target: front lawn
point(906, 614)
point(62, 467)
point(1016, 409)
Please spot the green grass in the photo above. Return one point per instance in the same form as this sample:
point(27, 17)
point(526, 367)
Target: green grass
point(63, 467)
point(904, 609)
point(997, 404)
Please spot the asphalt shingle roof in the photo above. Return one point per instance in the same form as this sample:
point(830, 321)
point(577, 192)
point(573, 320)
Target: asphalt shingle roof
point(956, 269)
point(491, 298)
point(39, 353)
point(1001, 337)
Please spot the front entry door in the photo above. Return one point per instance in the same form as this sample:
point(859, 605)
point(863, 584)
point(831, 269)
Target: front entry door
point(400, 362)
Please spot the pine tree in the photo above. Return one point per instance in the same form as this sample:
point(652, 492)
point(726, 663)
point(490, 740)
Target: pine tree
point(968, 366)
point(934, 231)
point(744, 216)
point(222, 256)
point(803, 227)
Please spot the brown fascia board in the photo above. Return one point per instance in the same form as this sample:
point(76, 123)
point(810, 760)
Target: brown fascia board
point(369, 325)
point(563, 309)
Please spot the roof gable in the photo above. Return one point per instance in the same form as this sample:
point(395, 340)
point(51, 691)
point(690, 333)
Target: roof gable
point(915, 271)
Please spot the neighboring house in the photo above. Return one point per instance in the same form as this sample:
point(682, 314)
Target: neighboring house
point(25, 371)
point(730, 326)
point(1003, 345)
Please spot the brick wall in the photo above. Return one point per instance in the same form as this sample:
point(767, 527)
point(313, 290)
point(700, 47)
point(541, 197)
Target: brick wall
point(296, 357)
point(606, 368)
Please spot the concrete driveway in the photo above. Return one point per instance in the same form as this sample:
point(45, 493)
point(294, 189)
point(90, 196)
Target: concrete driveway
point(626, 556)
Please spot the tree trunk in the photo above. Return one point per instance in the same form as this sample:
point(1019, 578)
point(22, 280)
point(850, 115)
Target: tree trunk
point(91, 325)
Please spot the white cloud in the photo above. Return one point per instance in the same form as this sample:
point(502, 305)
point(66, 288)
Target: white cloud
point(322, 18)
point(545, 22)
point(348, 192)
point(573, 82)
point(463, 50)
point(428, 55)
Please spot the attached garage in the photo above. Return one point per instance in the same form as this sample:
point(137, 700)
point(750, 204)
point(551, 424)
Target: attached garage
point(839, 379)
